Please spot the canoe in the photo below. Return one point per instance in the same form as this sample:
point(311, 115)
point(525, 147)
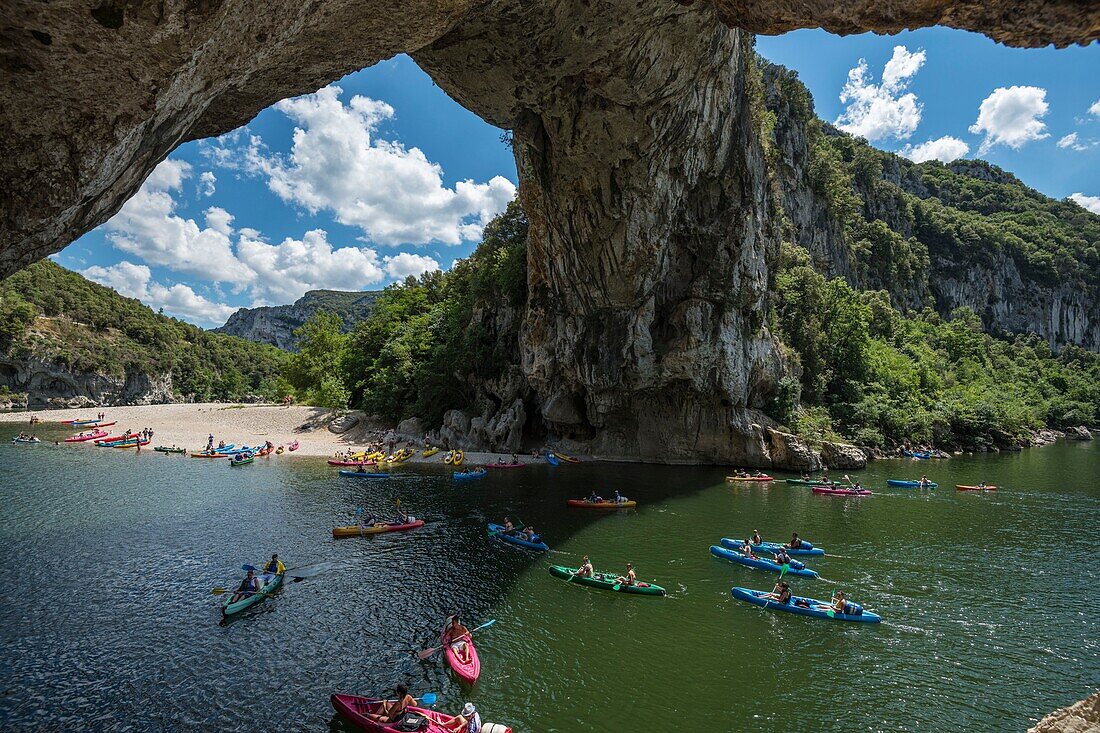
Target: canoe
point(831, 491)
point(243, 462)
point(469, 475)
point(378, 528)
point(503, 465)
point(351, 463)
point(604, 581)
point(271, 584)
point(601, 504)
point(761, 563)
point(816, 609)
point(429, 452)
point(467, 671)
point(811, 482)
point(129, 444)
point(961, 487)
point(901, 484)
point(364, 474)
point(497, 530)
point(551, 459)
point(82, 438)
point(773, 547)
point(756, 479)
point(355, 709)
point(568, 459)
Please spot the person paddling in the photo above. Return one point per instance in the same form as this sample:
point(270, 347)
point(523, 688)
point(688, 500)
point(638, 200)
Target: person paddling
point(274, 566)
point(746, 549)
point(795, 542)
point(528, 533)
point(630, 578)
point(619, 498)
point(594, 498)
point(509, 528)
point(924, 482)
point(840, 605)
point(248, 586)
point(468, 721)
point(781, 557)
point(585, 570)
point(781, 592)
point(457, 637)
point(391, 711)
point(756, 538)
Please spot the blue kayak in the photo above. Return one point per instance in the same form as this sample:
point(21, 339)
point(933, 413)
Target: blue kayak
point(496, 530)
point(773, 547)
point(760, 563)
point(898, 483)
point(552, 459)
point(815, 608)
point(364, 474)
point(916, 454)
point(469, 475)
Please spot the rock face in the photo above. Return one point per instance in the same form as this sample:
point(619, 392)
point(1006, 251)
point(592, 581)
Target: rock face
point(275, 325)
point(96, 94)
point(1081, 717)
point(49, 384)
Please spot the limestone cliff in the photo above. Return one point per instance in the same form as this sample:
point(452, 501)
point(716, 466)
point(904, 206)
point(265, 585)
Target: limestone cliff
point(275, 325)
point(49, 384)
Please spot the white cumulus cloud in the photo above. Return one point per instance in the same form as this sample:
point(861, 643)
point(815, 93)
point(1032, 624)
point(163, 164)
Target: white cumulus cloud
point(1011, 116)
point(136, 281)
point(1091, 203)
point(877, 111)
point(395, 195)
point(1073, 141)
point(1095, 108)
point(404, 264)
point(207, 183)
point(944, 149)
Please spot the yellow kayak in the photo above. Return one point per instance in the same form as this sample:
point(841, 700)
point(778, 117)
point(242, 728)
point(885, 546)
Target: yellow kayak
point(567, 459)
point(429, 451)
point(459, 456)
point(356, 530)
point(449, 458)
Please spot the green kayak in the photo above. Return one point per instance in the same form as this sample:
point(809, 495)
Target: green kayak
point(606, 582)
point(166, 449)
point(242, 462)
point(272, 585)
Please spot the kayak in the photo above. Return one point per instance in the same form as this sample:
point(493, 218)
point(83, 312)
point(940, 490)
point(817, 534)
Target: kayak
point(459, 457)
point(364, 474)
point(831, 491)
point(773, 547)
point(503, 465)
point(114, 439)
point(467, 671)
point(402, 455)
point(378, 528)
point(242, 462)
point(355, 709)
point(750, 478)
point(497, 530)
point(900, 484)
point(271, 584)
point(293, 446)
point(469, 475)
point(811, 482)
point(166, 449)
point(961, 487)
point(815, 608)
point(26, 441)
point(352, 463)
point(429, 452)
point(916, 454)
point(601, 504)
point(760, 563)
point(449, 458)
point(604, 581)
point(552, 459)
point(130, 444)
point(82, 438)
point(568, 459)
point(279, 451)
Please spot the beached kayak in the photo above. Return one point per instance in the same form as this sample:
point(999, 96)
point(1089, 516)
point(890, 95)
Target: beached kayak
point(356, 530)
point(903, 484)
point(82, 438)
point(356, 710)
point(773, 547)
point(833, 491)
point(241, 462)
point(916, 454)
point(467, 670)
point(516, 538)
point(750, 478)
point(469, 475)
point(568, 459)
point(605, 581)
point(761, 563)
point(459, 457)
point(961, 487)
point(365, 474)
point(503, 465)
point(811, 607)
point(271, 583)
point(351, 463)
point(429, 452)
point(584, 503)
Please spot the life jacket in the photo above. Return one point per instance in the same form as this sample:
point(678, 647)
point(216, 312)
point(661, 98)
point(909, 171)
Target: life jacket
point(248, 584)
point(272, 567)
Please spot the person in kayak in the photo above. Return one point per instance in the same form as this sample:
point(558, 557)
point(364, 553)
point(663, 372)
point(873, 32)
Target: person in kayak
point(781, 557)
point(619, 498)
point(594, 498)
point(457, 637)
point(795, 543)
point(756, 538)
point(746, 549)
point(468, 721)
point(840, 605)
point(248, 586)
point(509, 528)
point(781, 592)
point(630, 578)
point(924, 482)
point(585, 570)
point(528, 533)
point(392, 711)
point(274, 566)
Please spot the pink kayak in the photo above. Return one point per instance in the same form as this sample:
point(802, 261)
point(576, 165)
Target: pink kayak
point(503, 465)
point(467, 671)
point(355, 710)
point(82, 438)
point(334, 462)
point(829, 490)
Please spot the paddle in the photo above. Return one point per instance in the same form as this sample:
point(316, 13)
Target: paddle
point(428, 652)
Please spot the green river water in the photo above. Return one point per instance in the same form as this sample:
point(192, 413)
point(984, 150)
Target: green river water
point(107, 560)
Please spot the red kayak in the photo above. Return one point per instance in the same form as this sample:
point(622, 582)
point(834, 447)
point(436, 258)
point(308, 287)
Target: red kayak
point(352, 463)
point(82, 438)
point(467, 671)
point(960, 487)
point(830, 491)
point(115, 439)
point(355, 709)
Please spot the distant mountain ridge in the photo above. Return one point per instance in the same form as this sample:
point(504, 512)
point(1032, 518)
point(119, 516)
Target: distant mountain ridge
point(276, 324)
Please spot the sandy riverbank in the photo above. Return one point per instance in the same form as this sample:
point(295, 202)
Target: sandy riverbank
point(188, 425)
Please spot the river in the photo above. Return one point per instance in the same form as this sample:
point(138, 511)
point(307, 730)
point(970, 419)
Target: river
point(108, 560)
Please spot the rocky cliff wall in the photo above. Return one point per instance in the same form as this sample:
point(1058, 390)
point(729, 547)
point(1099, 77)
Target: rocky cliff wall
point(275, 325)
point(48, 384)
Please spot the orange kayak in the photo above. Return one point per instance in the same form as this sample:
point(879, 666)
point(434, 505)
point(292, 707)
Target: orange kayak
point(601, 504)
point(961, 487)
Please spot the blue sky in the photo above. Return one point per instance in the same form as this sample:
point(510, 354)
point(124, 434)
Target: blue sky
point(356, 188)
